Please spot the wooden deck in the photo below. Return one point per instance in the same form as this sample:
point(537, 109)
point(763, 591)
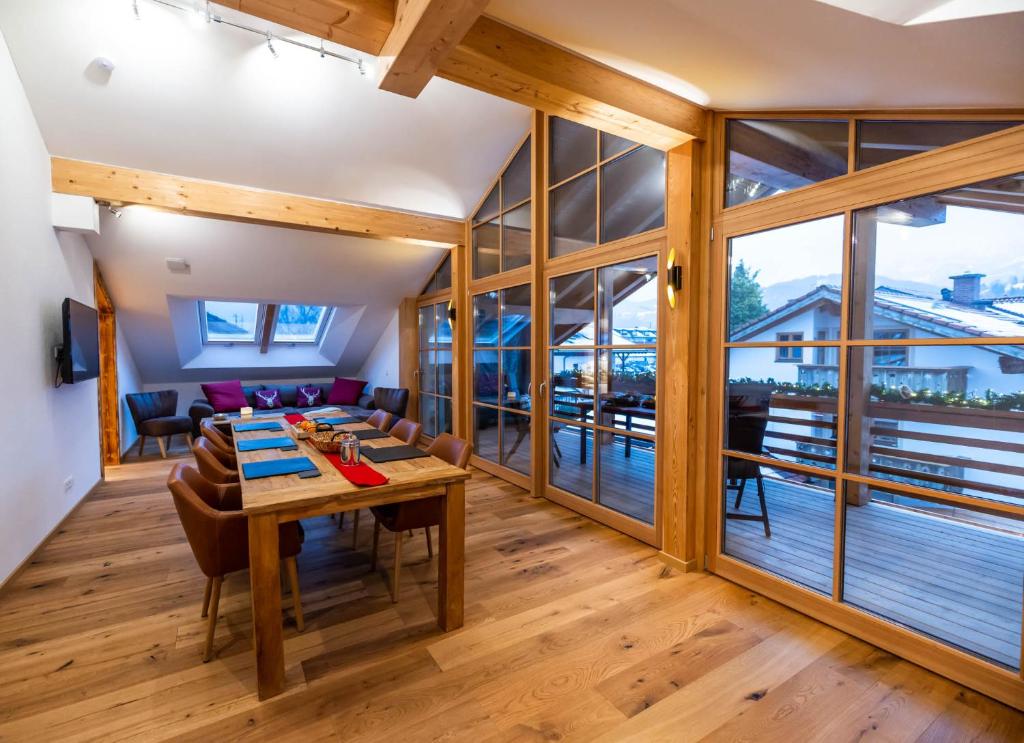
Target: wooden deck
point(958, 582)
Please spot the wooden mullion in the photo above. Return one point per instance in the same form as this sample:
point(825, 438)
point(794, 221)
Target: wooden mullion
point(267, 326)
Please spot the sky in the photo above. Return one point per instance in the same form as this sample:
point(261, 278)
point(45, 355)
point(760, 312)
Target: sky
point(974, 240)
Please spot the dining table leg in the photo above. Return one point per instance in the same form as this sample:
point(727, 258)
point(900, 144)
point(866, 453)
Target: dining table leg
point(451, 567)
point(265, 579)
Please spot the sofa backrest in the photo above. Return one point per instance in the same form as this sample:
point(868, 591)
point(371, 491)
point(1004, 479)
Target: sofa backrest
point(288, 391)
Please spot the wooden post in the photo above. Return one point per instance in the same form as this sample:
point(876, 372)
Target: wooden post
point(265, 580)
point(861, 361)
point(451, 565)
point(408, 354)
point(539, 304)
point(110, 419)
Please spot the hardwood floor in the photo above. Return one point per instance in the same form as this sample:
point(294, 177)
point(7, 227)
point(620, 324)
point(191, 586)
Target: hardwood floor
point(573, 632)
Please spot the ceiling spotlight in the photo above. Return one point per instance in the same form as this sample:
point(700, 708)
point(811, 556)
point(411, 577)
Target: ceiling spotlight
point(116, 212)
point(270, 44)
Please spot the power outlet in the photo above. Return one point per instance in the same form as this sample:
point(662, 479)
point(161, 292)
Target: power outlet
point(69, 483)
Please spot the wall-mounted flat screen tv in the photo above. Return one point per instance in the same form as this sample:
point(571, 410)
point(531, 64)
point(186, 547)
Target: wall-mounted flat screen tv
point(80, 359)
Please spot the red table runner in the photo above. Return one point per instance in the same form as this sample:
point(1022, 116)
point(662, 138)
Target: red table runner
point(357, 474)
point(294, 418)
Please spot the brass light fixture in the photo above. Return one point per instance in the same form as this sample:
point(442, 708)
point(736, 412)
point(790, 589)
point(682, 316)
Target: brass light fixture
point(451, 313)
point(674, 278)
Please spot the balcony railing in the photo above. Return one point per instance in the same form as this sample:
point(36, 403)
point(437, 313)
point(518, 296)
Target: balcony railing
point(938, 379)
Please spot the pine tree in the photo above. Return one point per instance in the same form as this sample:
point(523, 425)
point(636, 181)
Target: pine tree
point(746, 299)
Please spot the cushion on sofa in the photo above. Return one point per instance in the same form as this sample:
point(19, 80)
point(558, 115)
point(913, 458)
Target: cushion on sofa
point(345, 391)
point(309, 396)
point(268, 399)
point(225, 397)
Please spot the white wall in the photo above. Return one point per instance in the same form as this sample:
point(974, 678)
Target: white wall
point(128, 380)
point(381, 367)
point(50, 434)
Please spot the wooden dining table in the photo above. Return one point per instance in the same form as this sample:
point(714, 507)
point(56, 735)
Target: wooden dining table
point(271, 501)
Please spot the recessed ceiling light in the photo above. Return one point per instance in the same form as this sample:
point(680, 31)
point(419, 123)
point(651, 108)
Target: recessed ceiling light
point(916, 12)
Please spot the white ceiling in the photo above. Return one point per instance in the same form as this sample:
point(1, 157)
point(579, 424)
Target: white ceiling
point(209, 101)
point(746, 54)
point(234, 260)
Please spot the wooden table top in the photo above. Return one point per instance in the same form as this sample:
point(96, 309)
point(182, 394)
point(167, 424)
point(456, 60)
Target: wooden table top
point(407, 478)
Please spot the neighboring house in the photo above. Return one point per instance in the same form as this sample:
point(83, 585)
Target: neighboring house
point(927, 446)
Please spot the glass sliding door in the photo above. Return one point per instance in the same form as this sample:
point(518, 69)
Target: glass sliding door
point(602, 372)
point(502, 388)
point(434, 374)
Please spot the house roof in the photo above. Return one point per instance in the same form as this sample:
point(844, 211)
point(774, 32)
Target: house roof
point(1002, 317)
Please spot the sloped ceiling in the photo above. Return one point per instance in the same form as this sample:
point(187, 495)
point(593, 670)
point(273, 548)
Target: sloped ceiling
point(750, 54)
point(208, 101)
point(234, 260)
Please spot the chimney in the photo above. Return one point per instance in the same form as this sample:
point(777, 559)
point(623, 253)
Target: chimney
point(967, 287)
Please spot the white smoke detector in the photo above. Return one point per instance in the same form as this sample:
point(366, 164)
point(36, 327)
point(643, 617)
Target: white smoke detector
point(178, 265)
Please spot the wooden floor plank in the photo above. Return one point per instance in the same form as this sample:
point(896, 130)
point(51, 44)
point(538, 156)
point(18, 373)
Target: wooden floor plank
point(573, 632)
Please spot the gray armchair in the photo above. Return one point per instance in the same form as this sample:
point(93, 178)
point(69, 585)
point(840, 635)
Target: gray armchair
point(154, 414)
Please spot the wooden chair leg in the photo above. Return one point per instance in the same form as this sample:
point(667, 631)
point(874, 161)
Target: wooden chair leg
point(398, 567)
point(206, 597)
point(355, 529)
point(142, 444)
point(212, 622)
point(292, 568)
point(188, 440)
point(430, 544)
point(163, 446)
point(376, 541)
point(341, 520)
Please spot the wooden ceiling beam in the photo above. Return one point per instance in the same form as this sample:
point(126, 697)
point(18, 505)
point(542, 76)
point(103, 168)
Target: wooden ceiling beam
point(494, 58)
point(241, 203)
point(363, 25)
point(512, 64)
point(425, 32)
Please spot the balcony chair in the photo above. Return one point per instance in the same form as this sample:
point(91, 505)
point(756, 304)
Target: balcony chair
point(154, 415)
point(218, 533)
point(746, 432)
point(381, 420)
point(216, 466)
point(417, 514)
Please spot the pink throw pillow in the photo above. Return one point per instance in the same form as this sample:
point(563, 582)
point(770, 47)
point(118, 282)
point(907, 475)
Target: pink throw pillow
point(225, 397)
point(345, 391)
point(308, 396)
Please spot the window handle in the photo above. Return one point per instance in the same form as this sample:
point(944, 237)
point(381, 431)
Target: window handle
point(543, 386)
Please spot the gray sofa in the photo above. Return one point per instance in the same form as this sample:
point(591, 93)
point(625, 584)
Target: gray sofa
point(201, 408)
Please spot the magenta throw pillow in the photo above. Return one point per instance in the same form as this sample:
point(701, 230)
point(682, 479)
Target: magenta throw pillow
point(225, 397)
point(345, 391)
point(308, 396)
point(268, 399)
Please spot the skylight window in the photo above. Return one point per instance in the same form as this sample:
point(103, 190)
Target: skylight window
point(299, 323)
point(230, 322)
point(261, 323)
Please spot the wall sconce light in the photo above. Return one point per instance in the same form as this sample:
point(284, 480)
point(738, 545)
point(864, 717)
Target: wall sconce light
point(674, 278)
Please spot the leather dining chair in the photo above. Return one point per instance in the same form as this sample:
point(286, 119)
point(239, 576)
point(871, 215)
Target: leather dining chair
point(213, 463)
point(417, 514)
point(218, 533)
point(380, 419)
point(407, 431)
point(217, 438)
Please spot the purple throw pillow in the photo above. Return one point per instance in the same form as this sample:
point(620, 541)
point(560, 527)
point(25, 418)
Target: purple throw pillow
point(308, 396)
point(345, 391)
point(268, 399)
point(225, 397)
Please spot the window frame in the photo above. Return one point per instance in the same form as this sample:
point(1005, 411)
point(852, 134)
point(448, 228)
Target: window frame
point(257, 332)
point(789, 354)
point(318, 336)
point(261, 330)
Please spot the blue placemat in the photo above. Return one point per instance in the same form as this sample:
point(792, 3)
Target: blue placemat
point(276, 442)
point(274, 467)
point(337, 421)
point(260, 426)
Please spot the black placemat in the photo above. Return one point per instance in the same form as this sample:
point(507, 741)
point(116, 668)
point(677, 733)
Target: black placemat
point(393, 453)
point(369, 433)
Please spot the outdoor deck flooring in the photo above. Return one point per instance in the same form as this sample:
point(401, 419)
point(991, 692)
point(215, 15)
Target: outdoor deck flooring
point(957, 582)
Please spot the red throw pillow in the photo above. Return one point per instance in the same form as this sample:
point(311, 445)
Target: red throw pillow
point(268, 399)
point(345, 391)
point(225, 397)
point(308, 396)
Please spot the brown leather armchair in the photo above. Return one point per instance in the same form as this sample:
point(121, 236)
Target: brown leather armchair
point(407, 431)
point(380, 419)
point(417, 514)
point(213, 463)
point(394, 400)
point(217, 438)
point(218, 533)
